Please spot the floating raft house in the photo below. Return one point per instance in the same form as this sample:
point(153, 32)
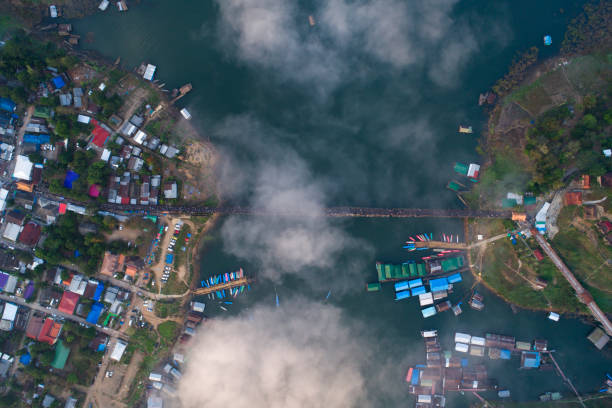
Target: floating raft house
point(461, 168)
point(390, 272)
point(428, 312)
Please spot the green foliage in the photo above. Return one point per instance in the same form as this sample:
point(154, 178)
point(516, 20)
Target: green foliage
point(517, 71)
point(108, 104)
point(64, 239)
point(168, 331)
point(165, 309)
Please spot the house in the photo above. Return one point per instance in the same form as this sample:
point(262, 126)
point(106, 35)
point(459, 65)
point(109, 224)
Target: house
point(100, 134)
point(8, 317)
point(35, 325)
point(170, 190)
point(68, 302)
point(61, 356)
point(130, 272)
point(118, 350)
point(30, 234)
point(538, 254)
point(171, 152)
point(71, 403)
point(585, 181)
point(149, 72)
point(48, 401)
point(135, 164)
point(140, 137)
point(15, 217)
point(155, 402)
point(111, 264)
point(128, 129)
point(24, 199)
point(599, 338)
point(530, 359)
point(573, 198)
point(23, 168)
point(11, 232)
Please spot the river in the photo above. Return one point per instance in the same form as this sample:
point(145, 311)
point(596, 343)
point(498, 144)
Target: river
point(350, 111)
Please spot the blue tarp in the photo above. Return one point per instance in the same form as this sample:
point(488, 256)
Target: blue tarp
point(25, 359)
point(531, 359)
point(505, 354)
point(402, 295)
point(98, 293)
point(438, 284)
point(464, 362)
point(58, 82)
point(36, 139)
point(7, 105)
point(419, 291)
point(29, 290)
point(401, 286)
point(415, 377)
point(71, 177)
point(169, 259)
point(454, 278)
point(94, 314)
point(101, 347)
point(415, 282)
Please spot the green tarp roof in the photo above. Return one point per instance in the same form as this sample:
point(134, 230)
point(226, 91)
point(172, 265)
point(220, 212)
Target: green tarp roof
point(461, 168)
point(508, 202)
point(61, 355)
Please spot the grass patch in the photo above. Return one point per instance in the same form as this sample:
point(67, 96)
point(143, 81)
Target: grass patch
point(497, 275)
point(165, 309)
point(174, 285)
point(168, 331)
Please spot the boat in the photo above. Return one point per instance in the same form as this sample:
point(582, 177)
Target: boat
point(328, 295)
point(311, 21)
point(465, 129)
point(223, 308)
point(476, 301)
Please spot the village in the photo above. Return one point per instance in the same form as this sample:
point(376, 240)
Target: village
point(87, 295)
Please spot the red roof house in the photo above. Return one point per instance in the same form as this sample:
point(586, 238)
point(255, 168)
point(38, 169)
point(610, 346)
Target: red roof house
point(99, 134)
point(34, 326)
point(50, 331)
point(62, 208)
point(573, 198)
point(30, 234)
point(68, 302)
point(538, 254)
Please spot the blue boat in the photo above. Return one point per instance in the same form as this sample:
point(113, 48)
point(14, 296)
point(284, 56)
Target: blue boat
point(277, 302)
point(328, 295)
point(227, 302)
point(404, 294)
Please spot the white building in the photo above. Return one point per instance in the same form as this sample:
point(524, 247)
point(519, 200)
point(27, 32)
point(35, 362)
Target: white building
point(83, 119)
point(118, 350)
point(11, 231)
point(185, 113)
point(140, 137)
point(149, 72)
point(540, 219)
point(23, 168)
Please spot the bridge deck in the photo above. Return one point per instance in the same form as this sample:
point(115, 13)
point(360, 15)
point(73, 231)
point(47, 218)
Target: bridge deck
point(440, 244)
point(226, 285)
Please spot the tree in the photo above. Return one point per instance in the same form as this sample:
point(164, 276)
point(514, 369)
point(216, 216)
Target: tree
point(589, 121)
point(72, 378)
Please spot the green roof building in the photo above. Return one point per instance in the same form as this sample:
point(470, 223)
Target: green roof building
point(61, 355)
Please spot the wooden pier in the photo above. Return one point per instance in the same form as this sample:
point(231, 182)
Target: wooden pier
point(440, 244)
point(221, 286)
point(567, 380)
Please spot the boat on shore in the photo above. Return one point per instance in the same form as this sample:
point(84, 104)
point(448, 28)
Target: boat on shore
point(465, 129)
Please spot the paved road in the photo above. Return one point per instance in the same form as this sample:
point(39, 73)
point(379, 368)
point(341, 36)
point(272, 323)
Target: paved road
point(56, 313)
point(138, 290)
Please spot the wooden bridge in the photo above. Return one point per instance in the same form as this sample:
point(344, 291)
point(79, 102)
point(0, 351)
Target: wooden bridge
point(340, 212)
point(221, 286)
point(440, 244)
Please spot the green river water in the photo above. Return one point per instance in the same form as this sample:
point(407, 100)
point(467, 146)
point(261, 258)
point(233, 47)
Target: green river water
point(363, 126)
